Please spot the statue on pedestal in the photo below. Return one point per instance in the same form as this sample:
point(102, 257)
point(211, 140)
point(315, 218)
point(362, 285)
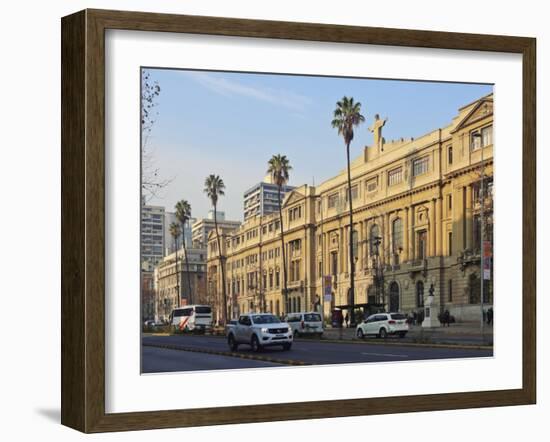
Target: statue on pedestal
point(376, 129)
point(430, 311)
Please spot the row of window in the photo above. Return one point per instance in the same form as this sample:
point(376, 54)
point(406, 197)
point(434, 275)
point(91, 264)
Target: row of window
point(295, 213)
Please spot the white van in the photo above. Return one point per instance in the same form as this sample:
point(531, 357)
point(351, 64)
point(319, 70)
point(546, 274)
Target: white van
point(191, 318)
point(306, 323)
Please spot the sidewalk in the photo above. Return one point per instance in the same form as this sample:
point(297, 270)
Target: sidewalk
point(466, 333)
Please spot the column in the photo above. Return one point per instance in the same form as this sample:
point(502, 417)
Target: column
point(458, 219)
point(432, 228)
point(438, 227)
point(341, 250)
point(468, 216)
point(386, 241)
point(406, 235)
point(411, 232)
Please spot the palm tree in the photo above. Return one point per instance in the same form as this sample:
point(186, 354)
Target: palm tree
point(279, 168)
point(183, 214)
point(214, 188)
point(175, 231)
point(347, 115)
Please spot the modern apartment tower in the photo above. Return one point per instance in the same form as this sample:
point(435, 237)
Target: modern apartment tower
point(262, 199)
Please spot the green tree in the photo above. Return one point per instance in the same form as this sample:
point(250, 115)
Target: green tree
point(214, 188)
point(183, 214)
point(175, 231)
point(347, 115)
point(279, 168)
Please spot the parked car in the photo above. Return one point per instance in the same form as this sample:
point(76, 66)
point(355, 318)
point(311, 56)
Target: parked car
point(230, 324)
point(305, 323)
point(383, 324)
point(259, 330)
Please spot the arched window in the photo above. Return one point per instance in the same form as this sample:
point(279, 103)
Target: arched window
point(397, 235)
point(355, 244)
point(420, 294)
point(396, 239)
point(374, 238)
point(394, 297)
point(371, 294)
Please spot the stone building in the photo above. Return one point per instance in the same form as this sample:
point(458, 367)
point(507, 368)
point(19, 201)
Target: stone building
point(171, 291)
point(418, 227)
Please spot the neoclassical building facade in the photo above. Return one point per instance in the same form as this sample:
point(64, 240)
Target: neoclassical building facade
point(421, 223)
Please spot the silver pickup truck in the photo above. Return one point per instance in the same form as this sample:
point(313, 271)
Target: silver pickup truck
point(259, 330)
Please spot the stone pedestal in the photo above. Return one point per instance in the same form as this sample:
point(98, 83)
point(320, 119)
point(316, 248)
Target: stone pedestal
point(430, 313)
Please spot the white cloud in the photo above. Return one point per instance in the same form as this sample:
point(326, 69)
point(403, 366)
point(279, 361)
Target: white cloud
point(279, 97)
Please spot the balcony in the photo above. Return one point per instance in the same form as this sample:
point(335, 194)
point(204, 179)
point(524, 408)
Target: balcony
point(419, 265)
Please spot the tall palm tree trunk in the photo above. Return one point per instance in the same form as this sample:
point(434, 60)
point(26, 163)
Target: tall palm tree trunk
point(224, 294)
point(351, 262)
point(190, 296)
point(177, 276)
point(285, 289)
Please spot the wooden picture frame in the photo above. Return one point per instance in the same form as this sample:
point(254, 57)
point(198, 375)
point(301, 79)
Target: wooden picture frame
point(83, 219)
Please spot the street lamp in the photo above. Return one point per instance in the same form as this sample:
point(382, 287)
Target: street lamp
point(482, 231)
point(376, 241)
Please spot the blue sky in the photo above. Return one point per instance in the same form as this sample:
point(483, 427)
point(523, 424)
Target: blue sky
point(230, 124)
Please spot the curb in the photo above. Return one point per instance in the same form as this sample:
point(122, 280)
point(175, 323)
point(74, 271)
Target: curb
point(229, 353)
point(370, 342)
point(405, 344)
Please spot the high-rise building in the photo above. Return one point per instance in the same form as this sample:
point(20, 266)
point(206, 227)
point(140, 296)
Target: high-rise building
point(202, 227)
point(152, 236)
point(263, 199)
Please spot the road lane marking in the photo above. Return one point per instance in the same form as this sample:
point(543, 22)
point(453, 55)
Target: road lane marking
point(385, 354)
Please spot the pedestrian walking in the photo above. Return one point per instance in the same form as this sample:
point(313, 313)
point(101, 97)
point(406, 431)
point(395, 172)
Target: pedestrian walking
point(446, 318)
point(490, 315)
point(347, 320)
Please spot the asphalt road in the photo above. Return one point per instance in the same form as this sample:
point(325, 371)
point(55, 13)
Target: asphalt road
point(161, 360)
point(156, 359)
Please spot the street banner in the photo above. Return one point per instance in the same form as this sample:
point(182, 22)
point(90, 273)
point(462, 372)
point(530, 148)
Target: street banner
point(487, 249)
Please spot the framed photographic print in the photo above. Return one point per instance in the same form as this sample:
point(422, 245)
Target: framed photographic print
point(266, 221)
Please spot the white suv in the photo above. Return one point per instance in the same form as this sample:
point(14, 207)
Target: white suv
point(259, 330)
point(309, 323)
point(383, 324)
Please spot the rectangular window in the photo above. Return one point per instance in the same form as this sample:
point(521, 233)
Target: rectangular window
point(354, 193)
point(422, 239)
point(420, 166)
point(449, 202)
point(487, 136)
point(395, 176)
point(332, 200)
point(475, 142)
point(450, 155)
point(450, 243)
point(477, 233)
point(372, 184)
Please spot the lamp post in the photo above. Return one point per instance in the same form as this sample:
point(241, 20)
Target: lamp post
point(376, 241)
point(482, 233)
